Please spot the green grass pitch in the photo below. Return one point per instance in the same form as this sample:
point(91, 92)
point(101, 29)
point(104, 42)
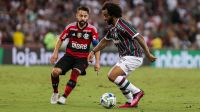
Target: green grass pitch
point(28, 89)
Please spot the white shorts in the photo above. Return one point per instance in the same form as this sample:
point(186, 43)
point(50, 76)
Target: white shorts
point(129, 63)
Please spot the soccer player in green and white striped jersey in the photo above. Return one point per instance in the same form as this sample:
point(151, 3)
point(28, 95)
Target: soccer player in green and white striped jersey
point(131, 47)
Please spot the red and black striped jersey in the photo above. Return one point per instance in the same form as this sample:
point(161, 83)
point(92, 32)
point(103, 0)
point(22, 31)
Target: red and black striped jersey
point(79, 39)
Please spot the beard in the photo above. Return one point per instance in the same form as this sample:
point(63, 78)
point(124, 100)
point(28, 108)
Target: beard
point(82, 23)
point(110, 21)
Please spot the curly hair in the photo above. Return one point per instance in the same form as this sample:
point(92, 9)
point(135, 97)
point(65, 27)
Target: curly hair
point(113, 9)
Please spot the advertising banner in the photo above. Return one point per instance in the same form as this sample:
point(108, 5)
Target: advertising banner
point(1, 55)
point(177, 59)
point(40, 56)
point(29, 56)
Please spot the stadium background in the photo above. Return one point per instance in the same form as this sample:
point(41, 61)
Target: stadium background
point(28, 30)
point(171, 28)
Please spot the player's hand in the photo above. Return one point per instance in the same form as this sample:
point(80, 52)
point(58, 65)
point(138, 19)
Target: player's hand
point(151, 58)
point(97, 67)
point(90, 57)
point(53, 58)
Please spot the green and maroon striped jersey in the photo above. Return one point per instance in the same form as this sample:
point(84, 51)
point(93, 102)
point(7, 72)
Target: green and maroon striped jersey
point(122, 34)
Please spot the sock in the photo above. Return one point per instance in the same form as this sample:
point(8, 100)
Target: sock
point(71, 83)
point(124, 84)
point(128, 95)
point(55, 83)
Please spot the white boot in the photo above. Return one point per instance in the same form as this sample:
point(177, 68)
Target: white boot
point(54, 98)
point(61, 100)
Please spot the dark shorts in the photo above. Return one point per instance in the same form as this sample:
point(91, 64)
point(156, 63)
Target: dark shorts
point(68, 62)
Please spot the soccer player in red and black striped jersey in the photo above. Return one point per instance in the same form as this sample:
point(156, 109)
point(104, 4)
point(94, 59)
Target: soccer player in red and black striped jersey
point(80, 35)
point(130, 46)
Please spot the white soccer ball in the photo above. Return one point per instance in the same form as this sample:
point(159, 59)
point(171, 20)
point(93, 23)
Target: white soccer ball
point(108, 100)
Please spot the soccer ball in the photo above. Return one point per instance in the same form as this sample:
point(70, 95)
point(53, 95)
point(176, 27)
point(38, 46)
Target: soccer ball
point(108, 100)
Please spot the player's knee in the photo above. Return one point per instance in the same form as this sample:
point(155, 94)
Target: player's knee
point(111, 78)
point(77, 70)
point(71, 83)
point(56, 72)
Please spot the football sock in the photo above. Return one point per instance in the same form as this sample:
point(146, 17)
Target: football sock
point(71, 83)
point(126, 85)
point(55, 82)
point(128, 95)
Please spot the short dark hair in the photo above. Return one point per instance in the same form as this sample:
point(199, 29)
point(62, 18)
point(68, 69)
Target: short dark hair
point(83, 8)
point(113, 9)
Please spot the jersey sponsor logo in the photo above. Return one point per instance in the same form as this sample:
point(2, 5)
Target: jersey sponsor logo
point(78, 46)
point(79, 35)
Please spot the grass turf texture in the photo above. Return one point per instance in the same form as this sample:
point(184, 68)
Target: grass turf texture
point(28, 89)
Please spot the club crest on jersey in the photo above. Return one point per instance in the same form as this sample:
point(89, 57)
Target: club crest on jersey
point(79, 35)
point(73, 34)
point(114, 33)
point(86, 36)
point(116, 41)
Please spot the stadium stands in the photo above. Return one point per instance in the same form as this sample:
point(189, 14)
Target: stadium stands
point(166, 24)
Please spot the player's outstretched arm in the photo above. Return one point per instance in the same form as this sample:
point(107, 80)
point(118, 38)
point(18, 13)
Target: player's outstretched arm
point(54, 56)
point(97, 63)
point(101, 45)
point(143, 44)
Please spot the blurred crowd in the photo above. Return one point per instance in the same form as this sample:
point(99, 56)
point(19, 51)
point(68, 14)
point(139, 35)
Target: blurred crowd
point(165, 24)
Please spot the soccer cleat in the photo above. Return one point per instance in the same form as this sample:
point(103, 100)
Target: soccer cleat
point(126, 105)
point(137, 98)
point(61, 100)
point(54, 98)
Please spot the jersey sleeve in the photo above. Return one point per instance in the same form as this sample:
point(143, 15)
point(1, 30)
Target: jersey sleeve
point(95, 37)
point(131, 31)
point(107, 36)
point(65, 33)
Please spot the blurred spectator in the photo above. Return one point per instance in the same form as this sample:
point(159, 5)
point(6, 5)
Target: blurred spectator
point(176, 21)
point(156, 43)
point(50, 40)
point(5, 37)
point(18, 37)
